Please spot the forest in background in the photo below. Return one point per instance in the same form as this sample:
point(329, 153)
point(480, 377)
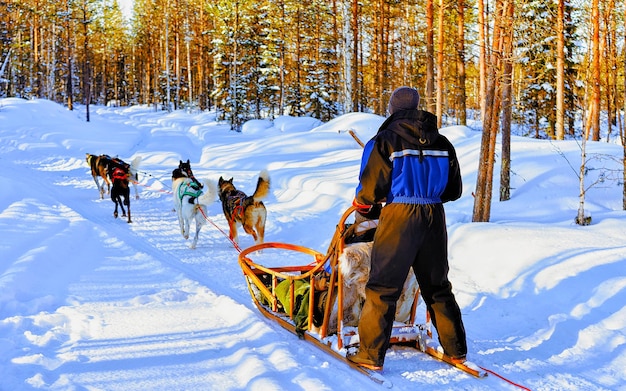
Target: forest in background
point(552, 68)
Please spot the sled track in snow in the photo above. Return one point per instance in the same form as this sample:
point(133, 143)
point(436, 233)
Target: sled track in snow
point(155, 232)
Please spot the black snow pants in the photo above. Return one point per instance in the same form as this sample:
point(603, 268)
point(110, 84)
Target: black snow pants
point(410, 236)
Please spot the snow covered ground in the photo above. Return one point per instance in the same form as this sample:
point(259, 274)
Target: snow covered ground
point(88, 302)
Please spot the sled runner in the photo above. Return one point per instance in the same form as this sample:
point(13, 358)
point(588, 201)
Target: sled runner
point(316, 299)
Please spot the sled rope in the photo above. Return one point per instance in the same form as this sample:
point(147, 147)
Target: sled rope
point(151, 188)
point(221, 230)
point(505, 379)
point(201, 211)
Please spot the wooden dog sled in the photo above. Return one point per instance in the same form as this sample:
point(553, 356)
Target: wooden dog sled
point(308, 299)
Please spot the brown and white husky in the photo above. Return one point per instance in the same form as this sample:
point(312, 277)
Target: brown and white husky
point(249, 211)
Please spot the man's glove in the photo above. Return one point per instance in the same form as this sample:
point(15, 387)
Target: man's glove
point(367, 212)
point(365, 221)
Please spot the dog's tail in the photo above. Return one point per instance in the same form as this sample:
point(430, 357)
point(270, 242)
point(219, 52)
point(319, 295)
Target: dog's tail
point(262, 186)
point(209, 193)
point(134, 167)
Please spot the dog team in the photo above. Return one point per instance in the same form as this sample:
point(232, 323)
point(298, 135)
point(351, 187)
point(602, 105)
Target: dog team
point(190, 197)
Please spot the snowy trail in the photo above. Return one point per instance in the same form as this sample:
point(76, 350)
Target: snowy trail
point(213, 264)
point(90, 302)
point(145, 270)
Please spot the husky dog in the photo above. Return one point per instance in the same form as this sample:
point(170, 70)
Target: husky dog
point(248, 211)
point(103, 165)
point(190, 203)
point(99, 167)
point(119, 177)
point(184, 171)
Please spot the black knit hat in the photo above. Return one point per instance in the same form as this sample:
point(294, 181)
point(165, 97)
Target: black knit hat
point(403, 98)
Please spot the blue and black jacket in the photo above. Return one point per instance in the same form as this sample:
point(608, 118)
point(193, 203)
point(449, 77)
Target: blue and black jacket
point(408, 162)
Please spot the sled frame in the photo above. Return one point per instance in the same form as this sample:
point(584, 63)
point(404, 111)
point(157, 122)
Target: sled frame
point(411, 333)
point(264, 281)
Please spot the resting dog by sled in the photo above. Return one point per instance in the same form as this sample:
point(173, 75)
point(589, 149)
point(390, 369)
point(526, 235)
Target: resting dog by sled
point(320, 300)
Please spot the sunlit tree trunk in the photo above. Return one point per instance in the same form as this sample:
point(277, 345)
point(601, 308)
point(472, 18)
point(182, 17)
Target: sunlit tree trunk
point(624, 131)
point(460, 63)
point(69, 91)
point(484, 182)
point(560, 70)
point(282, 54)
point(355, 55)
point(595, 69)
point(189, 75)
point(167, 59)
point(507, 103)
point(611, 65)
point(86, 66)
point(482, 58)
point(440, 70)
point(430, 58)
point(177, 68)
point(384, 57)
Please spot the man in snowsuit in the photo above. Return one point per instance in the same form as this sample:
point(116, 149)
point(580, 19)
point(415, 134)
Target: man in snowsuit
point(413, 169)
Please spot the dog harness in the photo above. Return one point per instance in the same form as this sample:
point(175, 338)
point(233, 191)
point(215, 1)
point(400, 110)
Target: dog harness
point(234, 201)
point(119, 174)
point(189, 189)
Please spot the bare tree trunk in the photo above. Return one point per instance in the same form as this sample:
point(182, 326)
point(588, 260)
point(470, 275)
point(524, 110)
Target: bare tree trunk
point(283, 16)
point(189, 80)
point(68, 83)
point(187, 38)
point(234, 72)
point(377, 56)
point(430, 58)
point(595, 66)
point(177, 71)
point(560, 71)
point(384, 66)
point(482, 61)
point(440, 48)
point(624, 167)
point(355, 55)
point(611, 66)
point(167, 58)
point(507, 102)
point(581, 218)
point(86, 65)
point(484, 182)
point(103, 77)
point(624, 131)
point(3, 67)
point(460, 63)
